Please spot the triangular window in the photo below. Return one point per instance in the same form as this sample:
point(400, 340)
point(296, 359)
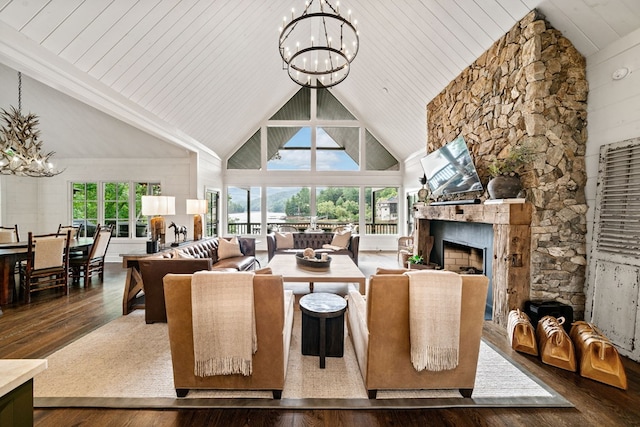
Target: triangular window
point(320, 134)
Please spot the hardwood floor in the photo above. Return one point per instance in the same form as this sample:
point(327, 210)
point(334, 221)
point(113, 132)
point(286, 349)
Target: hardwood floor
point(52, 321)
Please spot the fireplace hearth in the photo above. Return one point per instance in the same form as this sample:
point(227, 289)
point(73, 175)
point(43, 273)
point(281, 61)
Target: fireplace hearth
point(502, 233)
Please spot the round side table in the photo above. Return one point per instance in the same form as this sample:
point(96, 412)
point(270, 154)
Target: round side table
point(323, 325)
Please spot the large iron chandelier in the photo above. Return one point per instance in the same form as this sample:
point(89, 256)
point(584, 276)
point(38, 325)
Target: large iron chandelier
point(20, 143)
point(318, 46)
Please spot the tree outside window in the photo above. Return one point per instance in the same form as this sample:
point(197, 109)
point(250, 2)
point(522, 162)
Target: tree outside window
point(109, 203)
point(211, 228)
point(143, 189)
point(116, 207)
point(85, 207)
point(337, 205)
point(381, 212)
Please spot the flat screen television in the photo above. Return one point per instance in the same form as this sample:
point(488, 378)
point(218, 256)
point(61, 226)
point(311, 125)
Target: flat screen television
point(450, 170)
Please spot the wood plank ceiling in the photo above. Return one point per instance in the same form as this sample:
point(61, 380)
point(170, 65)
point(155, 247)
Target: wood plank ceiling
point(203, 74)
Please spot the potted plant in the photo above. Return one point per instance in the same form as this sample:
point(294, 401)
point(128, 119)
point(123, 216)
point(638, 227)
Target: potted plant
point(505, 181)
point(417, 262)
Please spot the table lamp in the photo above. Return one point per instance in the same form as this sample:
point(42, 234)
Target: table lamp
point(156, 206)
point(196, 208)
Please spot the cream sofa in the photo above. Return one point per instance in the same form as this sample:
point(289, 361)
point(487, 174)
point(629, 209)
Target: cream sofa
point(274, 321)
point(379, 330)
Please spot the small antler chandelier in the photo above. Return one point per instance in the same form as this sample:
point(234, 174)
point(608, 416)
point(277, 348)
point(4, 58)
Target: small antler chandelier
point(318, 46)
point(20, 143)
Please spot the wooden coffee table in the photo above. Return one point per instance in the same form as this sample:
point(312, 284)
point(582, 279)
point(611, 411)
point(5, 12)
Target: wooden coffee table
point(342, 269)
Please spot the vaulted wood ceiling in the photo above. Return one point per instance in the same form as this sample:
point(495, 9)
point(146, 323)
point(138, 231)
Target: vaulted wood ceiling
point(203, 74)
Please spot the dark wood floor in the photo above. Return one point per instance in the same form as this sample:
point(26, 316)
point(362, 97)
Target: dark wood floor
point(52, 321)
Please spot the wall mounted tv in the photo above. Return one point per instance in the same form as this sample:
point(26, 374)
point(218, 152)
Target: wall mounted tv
point(450, 170)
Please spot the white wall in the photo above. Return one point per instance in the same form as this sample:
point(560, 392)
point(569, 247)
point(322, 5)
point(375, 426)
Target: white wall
point(613, 107)
point(209, 174)
point(40, 204)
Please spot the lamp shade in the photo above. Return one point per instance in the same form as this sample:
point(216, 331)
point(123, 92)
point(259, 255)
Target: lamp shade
point(196, 206)
point(158, 205)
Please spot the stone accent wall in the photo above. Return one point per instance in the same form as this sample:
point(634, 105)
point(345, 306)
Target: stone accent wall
point(530, 88)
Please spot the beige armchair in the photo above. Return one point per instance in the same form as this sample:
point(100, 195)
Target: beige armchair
point(379, 329)
point(274, 321)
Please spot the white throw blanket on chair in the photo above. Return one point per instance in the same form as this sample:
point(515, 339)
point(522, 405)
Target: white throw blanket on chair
point(224, 330)
point(434, 319)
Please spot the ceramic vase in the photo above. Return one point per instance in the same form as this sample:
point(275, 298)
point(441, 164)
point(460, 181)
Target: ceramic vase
point(504, 187)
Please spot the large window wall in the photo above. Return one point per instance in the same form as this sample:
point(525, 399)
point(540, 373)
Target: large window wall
point(312, 159)
point(330, 207)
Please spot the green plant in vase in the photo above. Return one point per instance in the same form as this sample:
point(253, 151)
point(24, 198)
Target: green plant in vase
point(505, 172)
point(415, 260)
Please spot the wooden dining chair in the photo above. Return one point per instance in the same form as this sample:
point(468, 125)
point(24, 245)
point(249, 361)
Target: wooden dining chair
point(9, 234)
point(75, 230)
point(93, 262)
point(47, 264)
point(75, 233)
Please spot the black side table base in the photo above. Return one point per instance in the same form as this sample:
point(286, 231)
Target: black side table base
point(322, 325)
point(323, 341)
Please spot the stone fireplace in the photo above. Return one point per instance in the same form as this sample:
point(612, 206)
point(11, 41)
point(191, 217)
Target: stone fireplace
point(497, 236)
point(529, 88)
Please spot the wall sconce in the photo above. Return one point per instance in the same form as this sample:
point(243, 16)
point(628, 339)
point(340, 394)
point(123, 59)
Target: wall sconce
point(156, 206)
point(197, 208)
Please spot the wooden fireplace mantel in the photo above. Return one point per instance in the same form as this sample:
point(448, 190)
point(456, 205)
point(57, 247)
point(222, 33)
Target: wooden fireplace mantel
point(511, 264)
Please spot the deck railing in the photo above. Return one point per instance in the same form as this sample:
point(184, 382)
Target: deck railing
point(255, 227)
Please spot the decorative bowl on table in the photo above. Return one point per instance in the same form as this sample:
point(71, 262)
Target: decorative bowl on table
point(314, 262)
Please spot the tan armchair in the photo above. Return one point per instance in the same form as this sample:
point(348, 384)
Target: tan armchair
point(274, 320)
point(379, 329)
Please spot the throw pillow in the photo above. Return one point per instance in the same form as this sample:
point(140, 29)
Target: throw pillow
point(284, 240)
point(341, 240)
point(228, 248)
point(265, 270)
point(183, 255)
point(333, 248)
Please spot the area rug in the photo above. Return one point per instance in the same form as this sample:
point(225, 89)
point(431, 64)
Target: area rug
point(127, 364)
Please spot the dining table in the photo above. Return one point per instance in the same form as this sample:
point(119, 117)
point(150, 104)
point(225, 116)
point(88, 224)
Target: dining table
point(11, 253)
